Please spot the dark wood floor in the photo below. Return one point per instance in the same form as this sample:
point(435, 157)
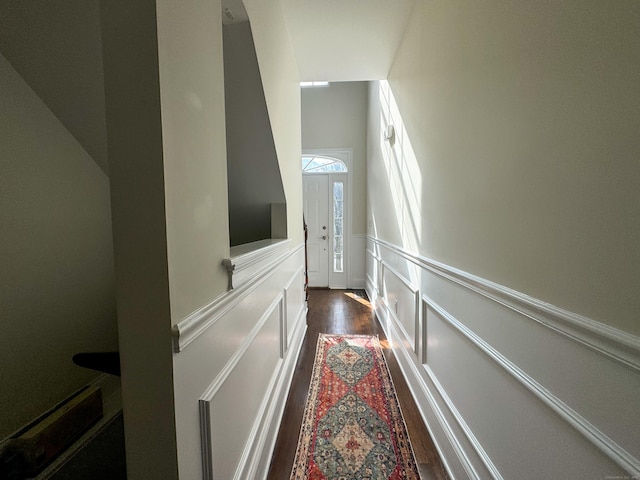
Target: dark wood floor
point(340, 311)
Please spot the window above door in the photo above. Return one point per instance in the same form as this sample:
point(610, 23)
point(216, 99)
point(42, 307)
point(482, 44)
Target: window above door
point(317, 164)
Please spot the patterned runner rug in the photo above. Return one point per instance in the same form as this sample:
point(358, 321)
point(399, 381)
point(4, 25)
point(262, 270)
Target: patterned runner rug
point(352, 427)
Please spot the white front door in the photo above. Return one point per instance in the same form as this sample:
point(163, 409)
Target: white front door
point(316, 214)
point(325, 211)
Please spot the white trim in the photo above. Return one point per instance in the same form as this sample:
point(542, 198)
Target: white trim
point(284, 320)
point(416, 308)
point(346, 156)
point(265, 428)
point(359, 240)
point(283, 324)
point(374, 255)
point(482, 454)
point(209, 393)
point(369, 281)
point(425, 317)
point(257, 433)
point(420, 390)
point(205, 440)
point(248, 260)
point(615, 344)
point(202, 319)
point(257, 457)
point(605, 444)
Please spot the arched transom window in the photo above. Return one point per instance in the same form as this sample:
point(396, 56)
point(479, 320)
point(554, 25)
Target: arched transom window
point(313, 164)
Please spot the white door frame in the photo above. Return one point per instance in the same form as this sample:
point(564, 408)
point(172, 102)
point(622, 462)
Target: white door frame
point(345, 155)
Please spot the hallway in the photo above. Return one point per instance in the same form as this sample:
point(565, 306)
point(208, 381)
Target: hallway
point(340, 311)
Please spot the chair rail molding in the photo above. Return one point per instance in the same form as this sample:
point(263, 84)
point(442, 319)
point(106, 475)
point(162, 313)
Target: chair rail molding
point(485, 362)
point(251, 259)
point(232, 367)
point(618, 454)
point(256, 266)
point(609, 341)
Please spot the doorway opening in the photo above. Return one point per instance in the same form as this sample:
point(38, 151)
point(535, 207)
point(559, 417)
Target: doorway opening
point(326, 196)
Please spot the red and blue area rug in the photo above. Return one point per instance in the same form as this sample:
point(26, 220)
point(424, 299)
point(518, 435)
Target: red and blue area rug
point(352, 427)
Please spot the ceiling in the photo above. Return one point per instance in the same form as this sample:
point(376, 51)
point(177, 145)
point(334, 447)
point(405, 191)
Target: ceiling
point(346, 40)
point(233, 11)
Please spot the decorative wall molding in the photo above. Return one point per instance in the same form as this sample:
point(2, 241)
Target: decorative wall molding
point(261, 439)
point(257, 457)
point(200, 320)
point(611, 342)
point(541, 367)
point(358, 260)
point(606, 445)
point(437, 387)
point(232, 371)
point(252, 259)
point(415, 291)
point(235, 358)
point(284, 324)
point(436, 414)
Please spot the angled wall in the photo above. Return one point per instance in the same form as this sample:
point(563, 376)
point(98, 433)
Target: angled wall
point(280, 81)
point(57, 279)
point(253, 172)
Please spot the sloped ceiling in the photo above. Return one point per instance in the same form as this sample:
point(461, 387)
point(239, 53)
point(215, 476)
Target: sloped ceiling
point(346, 40)
point(57, 49)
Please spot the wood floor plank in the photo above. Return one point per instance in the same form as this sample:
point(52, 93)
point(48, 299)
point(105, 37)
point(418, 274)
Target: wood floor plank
point(341, 312)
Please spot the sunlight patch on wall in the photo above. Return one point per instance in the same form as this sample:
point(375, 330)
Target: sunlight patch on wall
point(403, 171)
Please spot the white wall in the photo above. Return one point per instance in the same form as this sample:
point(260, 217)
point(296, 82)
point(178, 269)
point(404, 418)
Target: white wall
point(523, 118)
point(282, 92)
point(165, 113)
point(56, 279)
point(235, 355)
point(500, 253)
point(193, 126)
point(233, 370)
point(509, 386)
point(336, 117)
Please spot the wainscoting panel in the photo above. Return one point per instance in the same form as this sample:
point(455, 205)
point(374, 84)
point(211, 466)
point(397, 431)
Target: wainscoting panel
point(295, 303)
point(402, 301)
point(232, 377)
point(357, 272)
point(373, 272)
point(509, 386)
point(224, 410)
